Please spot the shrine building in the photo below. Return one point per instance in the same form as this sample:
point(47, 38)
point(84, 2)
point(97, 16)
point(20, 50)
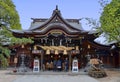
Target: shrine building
point(58, 38)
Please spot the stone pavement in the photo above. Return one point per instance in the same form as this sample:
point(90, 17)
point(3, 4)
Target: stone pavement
point(5, 76)
point(113, 76)
point(55, 78)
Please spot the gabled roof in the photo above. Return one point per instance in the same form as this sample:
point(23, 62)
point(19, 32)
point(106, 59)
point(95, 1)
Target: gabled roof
point(40, 24)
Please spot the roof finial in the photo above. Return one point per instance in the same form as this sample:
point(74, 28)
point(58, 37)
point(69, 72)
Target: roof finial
point(56, 7)
point(56, 11)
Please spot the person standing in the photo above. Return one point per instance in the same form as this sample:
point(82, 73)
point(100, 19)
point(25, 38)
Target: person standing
point(59, 65)
point(54, 65)
point(66, 64)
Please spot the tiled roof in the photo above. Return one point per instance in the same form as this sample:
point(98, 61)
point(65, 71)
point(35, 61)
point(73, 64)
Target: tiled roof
point(73, 22)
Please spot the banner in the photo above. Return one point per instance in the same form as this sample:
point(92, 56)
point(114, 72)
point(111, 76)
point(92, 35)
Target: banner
point(75, 65)
point(36, 67)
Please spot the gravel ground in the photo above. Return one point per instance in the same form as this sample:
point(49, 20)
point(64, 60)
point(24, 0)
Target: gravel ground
point(113, 76)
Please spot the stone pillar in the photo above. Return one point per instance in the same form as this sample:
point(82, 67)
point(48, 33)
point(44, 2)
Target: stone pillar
point(22, 67)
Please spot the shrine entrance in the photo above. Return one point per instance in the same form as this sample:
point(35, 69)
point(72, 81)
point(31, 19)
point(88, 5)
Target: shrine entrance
point(55, 58)
point(53, 62)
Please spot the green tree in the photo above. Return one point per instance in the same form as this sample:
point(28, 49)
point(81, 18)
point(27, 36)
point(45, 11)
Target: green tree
point(9, 19)
point(110, 20)
point(9, 15)
point(7, 40)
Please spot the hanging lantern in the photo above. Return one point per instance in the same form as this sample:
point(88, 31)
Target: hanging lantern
point(88, 46)
point(48, 52)
point(51, 56)
point(77, 48)
point(15, 60)
point(35, 47)
point(56, 52)
point(23, 46)
point(65, 52)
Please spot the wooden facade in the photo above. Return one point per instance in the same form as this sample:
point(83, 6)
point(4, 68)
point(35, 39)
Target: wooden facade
point(59, 38)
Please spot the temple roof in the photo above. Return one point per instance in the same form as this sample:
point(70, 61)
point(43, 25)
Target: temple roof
point(56, 17)
point(37, 22)
point(55, 22)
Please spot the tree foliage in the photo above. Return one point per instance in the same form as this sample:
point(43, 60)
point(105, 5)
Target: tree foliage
point(9, 15)
point(7, 40)
point(9, 19)
point(110, 20)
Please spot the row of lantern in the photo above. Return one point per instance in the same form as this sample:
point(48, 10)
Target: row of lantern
point(65, 52)
point(55, 52)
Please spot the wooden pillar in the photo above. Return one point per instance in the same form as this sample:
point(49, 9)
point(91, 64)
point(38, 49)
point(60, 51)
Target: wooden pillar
point(113, 61)
point(102, 59)
point(108, 63)
point(41, 60)
point(119, 59)
point(70, 62)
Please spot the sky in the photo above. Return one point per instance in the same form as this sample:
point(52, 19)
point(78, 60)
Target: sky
point(70, 9)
